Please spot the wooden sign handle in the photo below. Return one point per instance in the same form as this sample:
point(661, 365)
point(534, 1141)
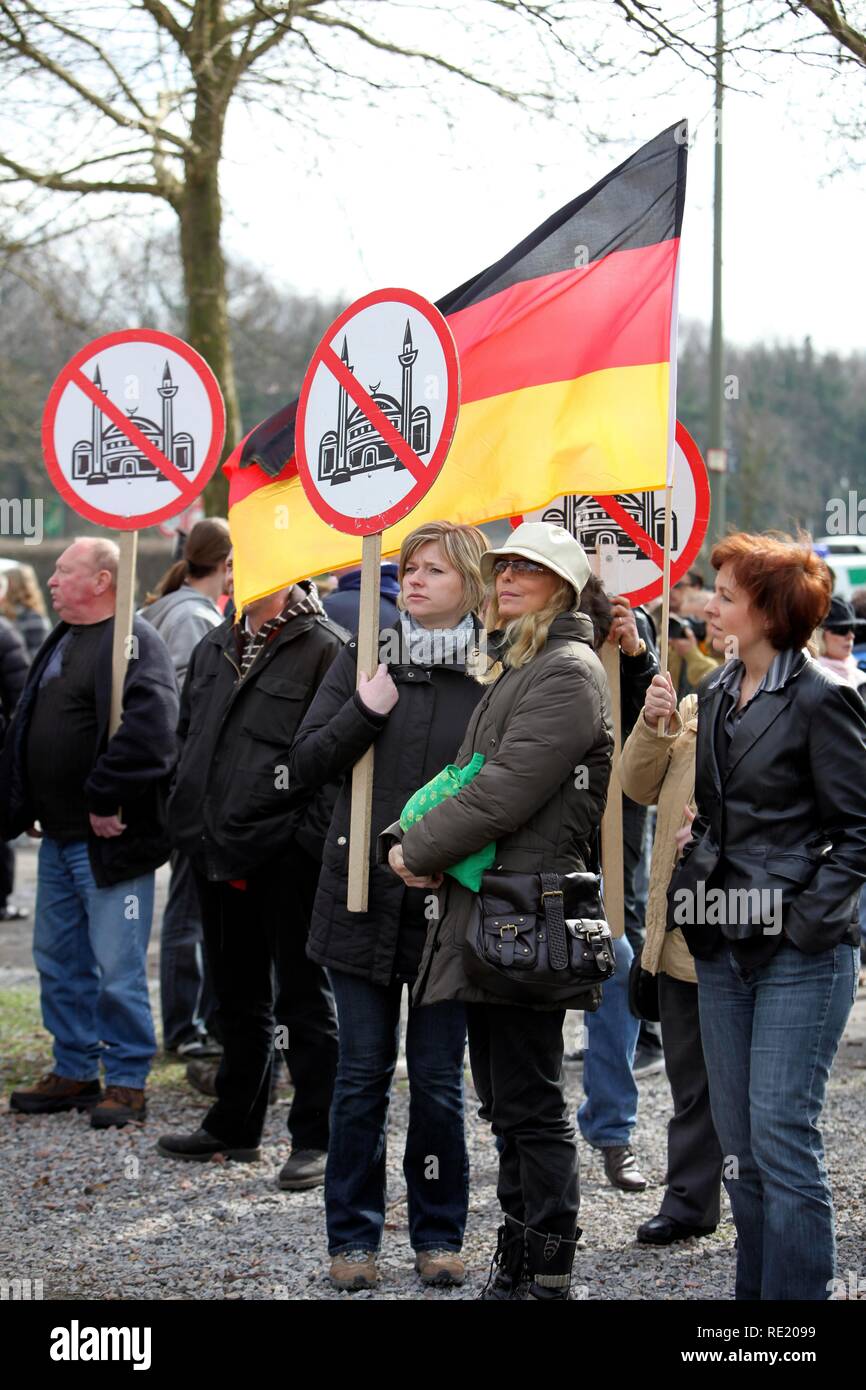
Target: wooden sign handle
point(121, 649)
point(611, 825)
point(362, 775)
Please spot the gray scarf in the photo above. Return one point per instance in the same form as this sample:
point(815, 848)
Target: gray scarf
point(437, 646)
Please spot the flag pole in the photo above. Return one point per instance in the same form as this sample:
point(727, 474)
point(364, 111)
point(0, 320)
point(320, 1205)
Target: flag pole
point(666, 589)
point(612, 857)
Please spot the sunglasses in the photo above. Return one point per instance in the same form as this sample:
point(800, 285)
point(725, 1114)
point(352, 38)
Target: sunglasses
point(841, 631)
point(518, 566)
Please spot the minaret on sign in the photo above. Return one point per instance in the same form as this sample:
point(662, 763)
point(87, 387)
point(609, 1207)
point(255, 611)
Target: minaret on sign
point(168, 391)
point(407, 360)
point(342, 470)
point(97, 474)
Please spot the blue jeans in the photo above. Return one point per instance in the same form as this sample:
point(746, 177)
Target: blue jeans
point(90, 948)
point(770, 1036)
point(607, 1116)
point(435, 1162)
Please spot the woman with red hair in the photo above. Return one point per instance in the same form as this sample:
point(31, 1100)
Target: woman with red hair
point(767, 898)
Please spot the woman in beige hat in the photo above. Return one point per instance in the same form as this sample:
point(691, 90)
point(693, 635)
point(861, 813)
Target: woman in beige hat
point(544, 728)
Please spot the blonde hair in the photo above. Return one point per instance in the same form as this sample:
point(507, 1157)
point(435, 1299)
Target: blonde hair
point(23, 591)
point(525, 636)
point(462, 546)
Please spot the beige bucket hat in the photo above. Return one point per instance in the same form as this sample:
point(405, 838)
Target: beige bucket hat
point(548, 545)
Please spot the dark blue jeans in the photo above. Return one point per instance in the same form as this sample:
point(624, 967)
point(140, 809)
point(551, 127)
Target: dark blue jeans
point(435, 1162)
point(769, 1037)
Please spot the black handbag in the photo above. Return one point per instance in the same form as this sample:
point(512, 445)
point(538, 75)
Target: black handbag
point(540, 940)
point(643, 992)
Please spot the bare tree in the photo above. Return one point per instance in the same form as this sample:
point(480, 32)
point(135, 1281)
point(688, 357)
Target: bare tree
point(148, 89)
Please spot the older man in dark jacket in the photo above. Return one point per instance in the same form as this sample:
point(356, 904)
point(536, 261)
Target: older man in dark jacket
point(98, 798)
point(234, 813)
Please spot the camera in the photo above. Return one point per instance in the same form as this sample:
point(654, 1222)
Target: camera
point(681, 627)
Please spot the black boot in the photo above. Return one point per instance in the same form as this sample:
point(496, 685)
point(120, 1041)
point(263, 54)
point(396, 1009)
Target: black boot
point(507, 1281)
point(549, 1259)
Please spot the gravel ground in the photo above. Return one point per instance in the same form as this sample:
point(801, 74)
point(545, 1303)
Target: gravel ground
point(99, 1215)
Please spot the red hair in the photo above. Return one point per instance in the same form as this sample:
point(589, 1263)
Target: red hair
point(784, 579)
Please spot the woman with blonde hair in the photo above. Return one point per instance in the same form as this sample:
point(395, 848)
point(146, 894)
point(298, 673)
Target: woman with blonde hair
point(544, 731)
point(412, 711)
point(24, 605)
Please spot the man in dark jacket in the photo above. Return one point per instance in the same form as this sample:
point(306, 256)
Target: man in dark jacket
point(234, 813)
point(98, 800)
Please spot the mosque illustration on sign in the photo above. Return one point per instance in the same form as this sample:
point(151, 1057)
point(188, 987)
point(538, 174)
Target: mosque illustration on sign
point(356, 446)
point(590, 524)
point(109, 454)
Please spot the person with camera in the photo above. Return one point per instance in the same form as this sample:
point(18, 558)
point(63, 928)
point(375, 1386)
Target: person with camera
point(687, 663)
point(660, 770)
point(767, 897)
point(543, 728)
point(618, 1047)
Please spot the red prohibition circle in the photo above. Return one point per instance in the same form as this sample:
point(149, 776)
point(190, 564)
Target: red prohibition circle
point(65, 381)
point(368, 526)
point(698, 470)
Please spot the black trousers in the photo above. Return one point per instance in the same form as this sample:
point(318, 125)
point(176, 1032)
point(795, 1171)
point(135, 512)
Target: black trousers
point(694, 1156)
point(633, 826)
point(516, 1057)
point(253, 936)
point(7, 872)
point(633, 822)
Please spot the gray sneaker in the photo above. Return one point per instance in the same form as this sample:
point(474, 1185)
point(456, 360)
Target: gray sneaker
point(304, 1168)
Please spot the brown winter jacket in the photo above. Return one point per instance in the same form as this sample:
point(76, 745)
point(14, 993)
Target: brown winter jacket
point(546, 734)
point(662, 769)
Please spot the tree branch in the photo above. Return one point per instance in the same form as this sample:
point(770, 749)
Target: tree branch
point(166, 20)
point(58, 183)
point(23, 46)
point(94, 47)
point(837, 24)
point(333, 22)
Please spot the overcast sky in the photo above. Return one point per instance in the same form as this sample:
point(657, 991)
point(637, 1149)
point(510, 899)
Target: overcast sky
point(398, 198)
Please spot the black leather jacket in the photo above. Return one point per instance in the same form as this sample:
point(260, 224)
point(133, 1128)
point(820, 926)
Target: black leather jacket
point(789, 814)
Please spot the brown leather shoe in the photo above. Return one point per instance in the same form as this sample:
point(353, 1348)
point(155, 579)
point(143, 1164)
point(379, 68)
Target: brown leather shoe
point(55, 1093)
point(621, 1168)
point(119, 1105)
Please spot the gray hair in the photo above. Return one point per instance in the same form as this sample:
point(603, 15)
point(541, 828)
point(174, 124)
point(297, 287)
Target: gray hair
point(105, 554)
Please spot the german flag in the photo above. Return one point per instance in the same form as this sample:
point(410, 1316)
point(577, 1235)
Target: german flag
point(567, 351)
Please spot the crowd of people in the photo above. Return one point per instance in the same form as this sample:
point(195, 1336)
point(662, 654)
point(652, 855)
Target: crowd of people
point(743, 777)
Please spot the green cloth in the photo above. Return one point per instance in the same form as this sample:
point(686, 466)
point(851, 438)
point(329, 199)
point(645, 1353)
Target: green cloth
point(447, 783)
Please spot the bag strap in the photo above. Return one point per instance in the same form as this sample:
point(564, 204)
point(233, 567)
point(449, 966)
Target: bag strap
point(554, 916)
